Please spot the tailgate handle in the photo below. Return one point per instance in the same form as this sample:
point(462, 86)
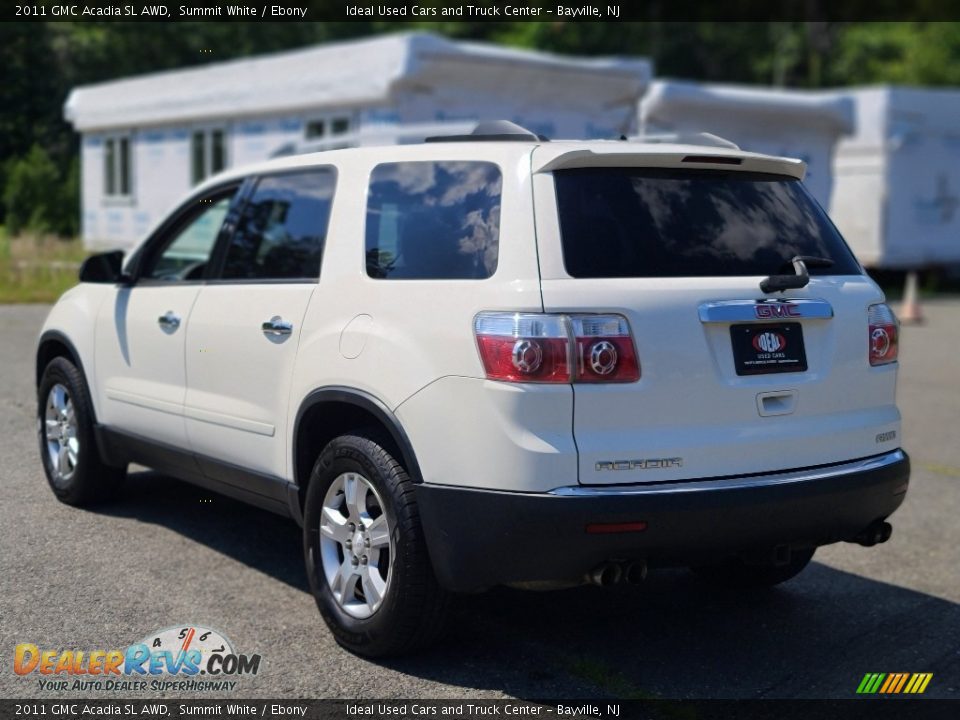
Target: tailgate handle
point(731, 311)
point(781, 402)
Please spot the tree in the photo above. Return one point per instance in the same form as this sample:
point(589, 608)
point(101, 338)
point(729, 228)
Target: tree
point(32, 193)
point(915, 53)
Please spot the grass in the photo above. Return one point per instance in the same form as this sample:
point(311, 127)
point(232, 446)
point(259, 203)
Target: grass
point(37, 269)
point(607, 679)
point(610, 681)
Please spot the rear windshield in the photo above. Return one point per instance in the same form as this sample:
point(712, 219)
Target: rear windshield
point(652, 222)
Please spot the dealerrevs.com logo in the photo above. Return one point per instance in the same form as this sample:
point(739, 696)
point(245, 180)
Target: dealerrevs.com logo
point(184, 657)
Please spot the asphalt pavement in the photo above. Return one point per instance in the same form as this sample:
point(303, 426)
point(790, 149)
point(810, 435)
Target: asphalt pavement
point(167, 553)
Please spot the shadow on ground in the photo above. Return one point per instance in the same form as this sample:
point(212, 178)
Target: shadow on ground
point(671, 637)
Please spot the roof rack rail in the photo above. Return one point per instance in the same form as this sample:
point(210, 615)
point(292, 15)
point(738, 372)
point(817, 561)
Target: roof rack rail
point(493, 130)
point(683, 138)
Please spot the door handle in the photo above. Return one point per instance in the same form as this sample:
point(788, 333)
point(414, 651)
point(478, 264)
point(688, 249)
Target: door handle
point(277, 326)
point(169, 320)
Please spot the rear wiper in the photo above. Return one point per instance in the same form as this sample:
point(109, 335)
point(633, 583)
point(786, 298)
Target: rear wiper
point(800, 278)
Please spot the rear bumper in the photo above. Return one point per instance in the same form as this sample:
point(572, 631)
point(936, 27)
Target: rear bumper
point(480, 538)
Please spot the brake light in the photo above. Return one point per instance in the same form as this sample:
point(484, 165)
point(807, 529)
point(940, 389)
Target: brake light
point(556, 348)
point(884, 334)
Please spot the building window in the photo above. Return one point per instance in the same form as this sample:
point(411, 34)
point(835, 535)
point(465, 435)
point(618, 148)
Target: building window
point(326, 127)
point(116, 167)
point(208, 153)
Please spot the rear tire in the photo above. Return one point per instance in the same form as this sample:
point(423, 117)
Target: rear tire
point(68, 448)
point(365, 552)
point(738, 574)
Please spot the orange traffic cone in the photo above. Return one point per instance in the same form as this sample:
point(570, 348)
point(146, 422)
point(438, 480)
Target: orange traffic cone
point(910, 312)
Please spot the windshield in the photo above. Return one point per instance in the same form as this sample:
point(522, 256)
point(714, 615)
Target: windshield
point(653, 222)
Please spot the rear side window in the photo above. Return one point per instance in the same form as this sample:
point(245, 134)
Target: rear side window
point(644, 222)
point(283, 227)
point(433, 220)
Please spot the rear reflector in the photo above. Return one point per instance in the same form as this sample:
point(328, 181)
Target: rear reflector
point(627, 527)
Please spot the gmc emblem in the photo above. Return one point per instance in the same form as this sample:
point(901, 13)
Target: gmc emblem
point(778, 310)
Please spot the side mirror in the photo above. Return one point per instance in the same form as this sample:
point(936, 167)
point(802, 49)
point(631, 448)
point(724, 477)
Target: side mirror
point(103, 268)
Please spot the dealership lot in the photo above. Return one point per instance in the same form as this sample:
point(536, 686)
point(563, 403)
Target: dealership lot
point(168, 554)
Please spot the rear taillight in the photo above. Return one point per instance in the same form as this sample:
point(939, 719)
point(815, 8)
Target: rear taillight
point(551, 348)
point(884, 337)
point(519, 347)
point(604, 349)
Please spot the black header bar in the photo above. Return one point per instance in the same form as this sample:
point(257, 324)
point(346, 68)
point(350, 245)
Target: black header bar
point(480, 11)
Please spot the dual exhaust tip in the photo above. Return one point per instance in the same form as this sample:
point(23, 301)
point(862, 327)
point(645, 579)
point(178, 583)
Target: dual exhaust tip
point(635, 572)
point(876, 533)
point(613, 573)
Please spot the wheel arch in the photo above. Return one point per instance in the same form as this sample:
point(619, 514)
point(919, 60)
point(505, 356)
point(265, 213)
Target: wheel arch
point(328, 412)
point(54, 344)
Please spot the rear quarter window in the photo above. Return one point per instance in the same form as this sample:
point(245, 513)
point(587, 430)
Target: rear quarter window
point(652, 222)
point(433, 220)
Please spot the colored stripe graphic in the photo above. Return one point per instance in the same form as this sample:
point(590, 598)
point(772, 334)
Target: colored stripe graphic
point(894, 683)
point(870, 683)
point(891, 679)
point(903, 681)
point(918, 683)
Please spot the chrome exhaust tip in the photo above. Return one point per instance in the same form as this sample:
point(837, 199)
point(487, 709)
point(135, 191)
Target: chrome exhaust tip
point(605, 574)
point(875, 534)
point(635, 572)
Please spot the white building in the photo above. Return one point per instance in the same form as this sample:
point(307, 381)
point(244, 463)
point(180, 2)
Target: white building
point(805, 125)
point(896, 191)
point(147, 140)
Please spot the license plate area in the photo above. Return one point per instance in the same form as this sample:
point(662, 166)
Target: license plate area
point(767, 349)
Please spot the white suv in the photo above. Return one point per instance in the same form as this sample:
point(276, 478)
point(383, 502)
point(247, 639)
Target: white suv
point(492, 360)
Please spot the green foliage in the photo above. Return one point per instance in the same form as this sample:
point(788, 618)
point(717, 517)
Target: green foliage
point(32, 182)
point(901, 53)
point(37, 198)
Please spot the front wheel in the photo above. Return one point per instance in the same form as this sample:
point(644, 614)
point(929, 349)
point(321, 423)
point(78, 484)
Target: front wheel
point(68, 449)
point(366, 556)
point(738, 574)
